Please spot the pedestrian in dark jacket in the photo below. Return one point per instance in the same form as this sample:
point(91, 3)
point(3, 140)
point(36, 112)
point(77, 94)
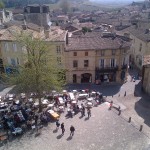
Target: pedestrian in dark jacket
point(72, 129)
point(57, 124)
point(89, 112)
point(62, 128)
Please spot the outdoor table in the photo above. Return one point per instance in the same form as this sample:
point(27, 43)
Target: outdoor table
point(53, 114)
point(45, 102)
point(83, 95)
point(74, 91)
point(61, 108)
point(90, 99)
point(89, 104)
point(71, 95)
point(10, 98)
point(30, 99)
point(10, 95)
point(51, 105)
point(36, 104)
point(23, 95)
point(61, 101)
point(17, 131)
point(17, 102)
point(74, 102)
point(53, 91)
point(64, 91)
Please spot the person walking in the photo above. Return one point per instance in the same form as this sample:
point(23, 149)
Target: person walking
point(72, 129)
point(83, 110)
point(62, 128)
point(57, 124)
point(89, 112)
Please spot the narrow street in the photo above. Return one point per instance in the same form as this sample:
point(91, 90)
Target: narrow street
point(136, 107)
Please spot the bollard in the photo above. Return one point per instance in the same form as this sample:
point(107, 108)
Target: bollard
point(125, 93)
point(119, 112)
point(141, 127)
point(112, 95)
point(129, 119)
point(119, 95)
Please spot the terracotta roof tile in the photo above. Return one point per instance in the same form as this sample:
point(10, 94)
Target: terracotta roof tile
point(146, 60)
point(95, 43)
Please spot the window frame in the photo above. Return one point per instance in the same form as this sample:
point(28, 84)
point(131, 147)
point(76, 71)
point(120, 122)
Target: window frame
point(86, 53)
point(86, 63)
point(75, 64)
point(74, 53)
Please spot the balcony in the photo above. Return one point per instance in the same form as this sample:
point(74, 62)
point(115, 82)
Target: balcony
point(106, 69)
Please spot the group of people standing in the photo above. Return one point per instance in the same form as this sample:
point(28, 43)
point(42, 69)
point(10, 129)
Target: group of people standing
point(83, 111)
point(62, 126)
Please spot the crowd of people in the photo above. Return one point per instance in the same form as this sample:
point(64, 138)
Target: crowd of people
point(18, 116)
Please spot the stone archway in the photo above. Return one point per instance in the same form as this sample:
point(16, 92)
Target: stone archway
point(86, 78)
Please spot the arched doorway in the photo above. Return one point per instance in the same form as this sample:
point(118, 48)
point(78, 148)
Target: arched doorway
point(86, 78)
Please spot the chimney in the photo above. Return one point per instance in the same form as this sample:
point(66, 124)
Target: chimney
point(47, 33)
point(67, 38)
point(24, 25)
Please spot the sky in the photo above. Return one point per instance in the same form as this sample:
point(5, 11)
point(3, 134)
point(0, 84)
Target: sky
point(115, 1)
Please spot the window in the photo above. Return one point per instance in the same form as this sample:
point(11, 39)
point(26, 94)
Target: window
point(14, 47)
point(75, 63)
point(102, 52)
point(112, 62)
point(24, 50)
point(86, 53)
point(59, 60)
point(18, 61)
point(6, 46)
point(58, 49)
point(74, 78)
point(13, 62)
point(102, 63)
point(113, 52)
point(86, 63)
point(74, 53)
point(140, 48)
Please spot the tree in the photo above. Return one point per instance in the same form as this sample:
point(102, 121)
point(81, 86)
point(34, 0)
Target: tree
point(40, 71)
point(65, 6)
point(85, 29)
point(1, 4)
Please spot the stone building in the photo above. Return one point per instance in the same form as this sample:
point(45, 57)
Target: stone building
point(146, 75)
point(94, 57)
point(140, 35)
point(37, 14)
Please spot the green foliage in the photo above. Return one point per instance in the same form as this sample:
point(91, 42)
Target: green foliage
point(65, 6)
point(85, 29)
point(2, 4)
point(40, 72)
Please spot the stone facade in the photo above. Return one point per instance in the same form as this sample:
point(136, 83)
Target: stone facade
point(74, 73)
point(146, 79)
point(41, 13)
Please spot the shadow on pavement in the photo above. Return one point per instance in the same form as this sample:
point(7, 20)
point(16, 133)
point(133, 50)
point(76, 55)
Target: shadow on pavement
point(69, 138)
point(59, 136)
point(55, 131)
point(107, 89)
point(87, 118)
point(142, 107)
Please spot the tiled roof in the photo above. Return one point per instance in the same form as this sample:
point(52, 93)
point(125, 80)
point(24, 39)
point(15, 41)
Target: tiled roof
point(140, 33)
point(95, 43)
point(146, 60)
point(10, 33)
point(20, 23)
point(56, 34)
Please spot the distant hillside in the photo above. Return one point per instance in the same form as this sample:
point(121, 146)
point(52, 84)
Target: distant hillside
point(21, 3)
point(115, 2)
